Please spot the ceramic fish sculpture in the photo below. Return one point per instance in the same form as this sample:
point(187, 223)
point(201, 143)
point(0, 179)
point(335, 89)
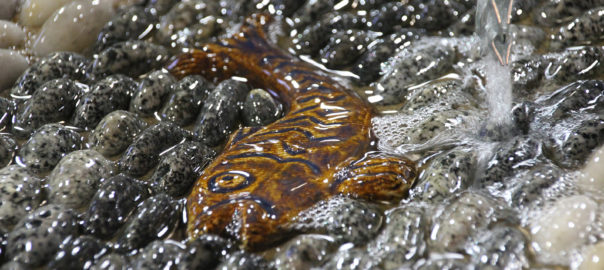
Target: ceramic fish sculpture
point(493, 19)
point(321, 148)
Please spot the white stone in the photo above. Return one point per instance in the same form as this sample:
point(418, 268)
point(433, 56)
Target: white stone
point(8, 8)
point(74, 27)
point(35, 12)
point(563, 227)
point(592, 258)
point(591, 179)
point(11, 34)
point(11, 67)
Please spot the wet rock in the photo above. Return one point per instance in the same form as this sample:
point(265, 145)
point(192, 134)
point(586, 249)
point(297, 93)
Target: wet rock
point(219, 115)
point(53, 102)
point(581, 96)
point(535, 188)
point(20, 193)
point(115, 132)
point(572, 141)
point(131, 24)
point(343, 218)
point(53, 66)
point(7, 110)
point(500, 248)
point(143, 153)
point(8, 148)
point(464, 26)
point(14, 266)
point(152, 92)
point(131, 58)
point(36, 238)
point(204, 252)
point(443, 264)
point(344, 47)
point(155, 218)
point(181, 16)
point(241, 260)
point(166, 254)
point(591, 179)
point(558, 12)
point(591, 257)
point(47, 146)
point(78, 253)
point(2, 246)
point(304, 252)
point(527, 73)
point(523, 115)
point(107, 95)
point(446, 175)
point(11, 34)
point(531, 34)
point(180, 167)
point(186, 100)
point(317, 35)
point(445, 94)
point(13, 65)
point(112, 261)
point(112, 204)
point(8, 9)
point(161, 6)
point(75, 179)
point(348, 258)
point(198, 34)
point(74, 27)
point(260, 109)
point(522, 9)
point(458, 221)
point(575, 63)
point(566, 225)
point(35, 12)
point(514, 155)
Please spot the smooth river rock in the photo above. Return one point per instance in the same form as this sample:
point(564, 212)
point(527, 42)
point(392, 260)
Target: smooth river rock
point(13, 64)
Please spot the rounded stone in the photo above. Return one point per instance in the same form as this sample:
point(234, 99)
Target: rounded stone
point(260, 108)
point(188, 95)
point(20, 193)
point(152, 92)
point(115, 132)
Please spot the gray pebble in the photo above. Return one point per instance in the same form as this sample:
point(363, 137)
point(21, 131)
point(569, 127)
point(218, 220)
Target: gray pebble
point(152, 92)
point(143, 153)
point(130, 24)
point(14, 266)
point(75, 179)
point(131, 58)
point(110, 94)
point(514, 155)
point(260, 109)
point(54, 101)
point(53, 66)
point(181, 16)
point(442, 94)
point(112, 204)
point(581, 96)
point(219, 115)
point(180, 167)
point(162, 254)
point(464, 26)
point(500, 248)
point(344, 47)
point(112, 261)
point(78, 253)
point(8, 148)
point(186, 100)
point(561, 11)
point(7, 110)
point(304, 252)
point(155, 218)
point(523, 115)
point(574, 63)
point(443, 264)
point(36, 238)
point(350, 259)
point(47, 146)
point(161, 6)
point(571, 142)
point(204, 252)
point(8, 9)
point(241, 260)
point(527, 74)
point(2, 246)
point(534, 188)
point(20, 193)
point(115, 132)
point(343, 218)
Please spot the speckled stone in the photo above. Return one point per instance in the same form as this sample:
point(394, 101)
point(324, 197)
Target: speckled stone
point(132, 58)
point(539, 185)
point(219, 115)
point(559, 12)
point(47, 146)
point(575, 63)
point(78, 253)
point(304, 252)
point(161, 254)
point(349, 258)
point(115, 132)
point(344, 47)
point(8, 148)
point(155, 218)
point(180, 167)
point(186, 100)
point(161, 6)
point(36, 238)
point(143, 153)
point(112, 261)
point(203, 253)
point(53, 66)
point(316, 35)
point(75, 179)
point(181, 16)
point(500, 248)
point(457, 222)
point(527, 73)
point(572, 141)
point(112, 204)
point(260, 109)
point(580, 96)
point(584, 29)
point(441, 95)
point(14, 266)
point(516, 154)
point(523, 115)
point(345, 219)
point(54, 101)
point(242, 260)
point(130, 24)
point(443, 264)
point(107, 95)
point(20, 193)
point(152, 92)
point(7, 110)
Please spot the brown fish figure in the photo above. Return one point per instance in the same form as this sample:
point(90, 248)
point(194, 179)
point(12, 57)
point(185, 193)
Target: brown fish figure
point(322, 147)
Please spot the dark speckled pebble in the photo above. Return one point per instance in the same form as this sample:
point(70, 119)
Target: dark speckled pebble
point(219, 115)
point(143, 153)
point(166, 254)
point(241, 260)
point(573, 141)
point(304, 252)
point(500, 248)
point(47, 146)
point(152, 92)
point(8, 148)
point(128, 25)
point(523, 115)
point(186, 100)
point(112, 261)
point(20, 193)
point(344, 47)
point(109, 94)
point(132, 58)
point(54, 101)
point(38, 235)
point(78, 253)
point(112, 204)
point(7, 110)
point(54, 66)
point(161, 6)
point(514, 155)
point(180, 167)
point(155, 218)
point(537, 186)
point(581, 96)
point(260, 109)
point(206, 251)
point(115, 132)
